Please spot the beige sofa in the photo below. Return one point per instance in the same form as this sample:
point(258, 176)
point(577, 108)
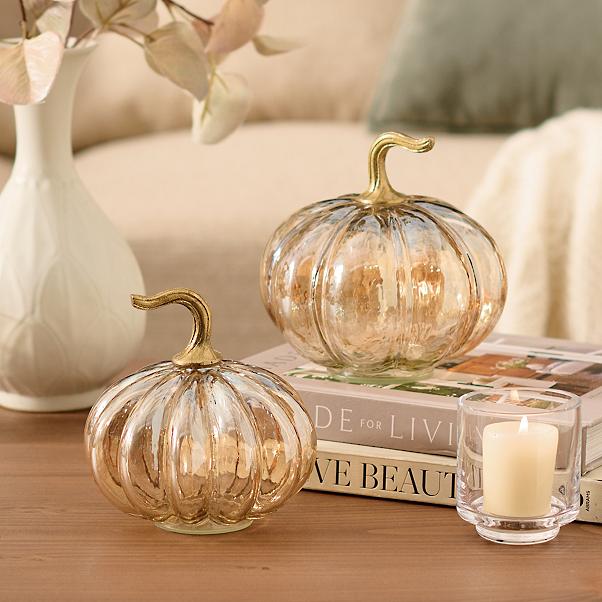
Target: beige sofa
point(199, 216)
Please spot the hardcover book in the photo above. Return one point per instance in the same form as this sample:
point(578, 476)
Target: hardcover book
point(420, 416)
point(408, 476)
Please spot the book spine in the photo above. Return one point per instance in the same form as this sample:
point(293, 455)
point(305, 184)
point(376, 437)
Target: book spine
point(591, 501)
point(409, 480)
point(378, 423)
point(429, 480)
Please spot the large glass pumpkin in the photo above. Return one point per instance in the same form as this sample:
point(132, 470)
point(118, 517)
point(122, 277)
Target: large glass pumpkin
point(382, 285)
point(199, 444)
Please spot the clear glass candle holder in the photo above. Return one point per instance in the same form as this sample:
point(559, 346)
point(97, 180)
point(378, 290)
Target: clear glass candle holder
point(519, 462)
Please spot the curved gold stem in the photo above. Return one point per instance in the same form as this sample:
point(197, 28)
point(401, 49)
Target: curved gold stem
point(199, 351)
point(380, 189)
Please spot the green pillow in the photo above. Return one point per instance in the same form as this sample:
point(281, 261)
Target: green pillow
point(490, 65)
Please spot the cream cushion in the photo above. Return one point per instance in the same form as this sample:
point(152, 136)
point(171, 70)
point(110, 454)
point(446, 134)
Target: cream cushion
point(200, 216)
point(331, 77)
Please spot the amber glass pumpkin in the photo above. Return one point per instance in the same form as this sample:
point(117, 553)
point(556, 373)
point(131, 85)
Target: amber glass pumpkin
point(382, 285)
point(199, 444)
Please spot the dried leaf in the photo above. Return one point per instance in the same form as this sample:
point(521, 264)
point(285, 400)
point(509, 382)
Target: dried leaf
point(56, 18)
point(103, 12)
point(235, 25)
point(224, 109)
point(270, 45)
point(203, 30)
point(175, 51)
point(148, 23)
point(34, 9)
point(49, 15)
point(28, 69)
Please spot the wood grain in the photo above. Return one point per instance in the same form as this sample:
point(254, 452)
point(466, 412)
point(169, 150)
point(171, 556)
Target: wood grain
point(61, 541)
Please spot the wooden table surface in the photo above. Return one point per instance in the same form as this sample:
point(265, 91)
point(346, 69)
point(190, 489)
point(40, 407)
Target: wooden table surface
point(61, 540)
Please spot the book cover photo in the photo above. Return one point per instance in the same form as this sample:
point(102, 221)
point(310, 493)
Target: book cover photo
point(420, 416)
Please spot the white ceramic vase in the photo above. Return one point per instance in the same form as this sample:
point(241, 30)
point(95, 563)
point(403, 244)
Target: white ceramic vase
point(66, 274)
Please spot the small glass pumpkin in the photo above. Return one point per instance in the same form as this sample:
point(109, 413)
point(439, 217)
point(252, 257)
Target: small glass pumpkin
point(199, 444)
point(381, 286)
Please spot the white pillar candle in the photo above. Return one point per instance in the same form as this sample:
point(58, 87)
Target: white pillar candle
point(518, 468)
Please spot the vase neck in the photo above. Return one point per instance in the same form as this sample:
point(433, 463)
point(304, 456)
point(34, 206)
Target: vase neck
point(44, 130)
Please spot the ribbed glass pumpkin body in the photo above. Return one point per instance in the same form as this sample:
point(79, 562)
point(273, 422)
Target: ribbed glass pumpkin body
point(387, 289)
point(200, 450)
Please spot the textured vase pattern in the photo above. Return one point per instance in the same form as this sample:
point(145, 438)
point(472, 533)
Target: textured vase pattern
point(383, 284)
point(66, 325)
point(188, 448)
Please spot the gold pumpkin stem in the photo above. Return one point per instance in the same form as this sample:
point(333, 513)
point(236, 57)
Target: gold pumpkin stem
point(380, 189)
point(199, 351)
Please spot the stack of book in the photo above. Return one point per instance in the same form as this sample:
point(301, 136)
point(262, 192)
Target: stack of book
point(398, 441)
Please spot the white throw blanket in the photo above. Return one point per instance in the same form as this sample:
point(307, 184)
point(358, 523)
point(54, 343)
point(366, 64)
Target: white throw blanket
point(541, 200)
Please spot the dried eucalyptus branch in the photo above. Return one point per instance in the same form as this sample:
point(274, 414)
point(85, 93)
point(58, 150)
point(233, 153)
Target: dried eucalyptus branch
point(24, 33)
point(115, 29)
point(187, 11)
point(70, 28)
point(133, 29)
point(186, 51)
point(82, 37)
